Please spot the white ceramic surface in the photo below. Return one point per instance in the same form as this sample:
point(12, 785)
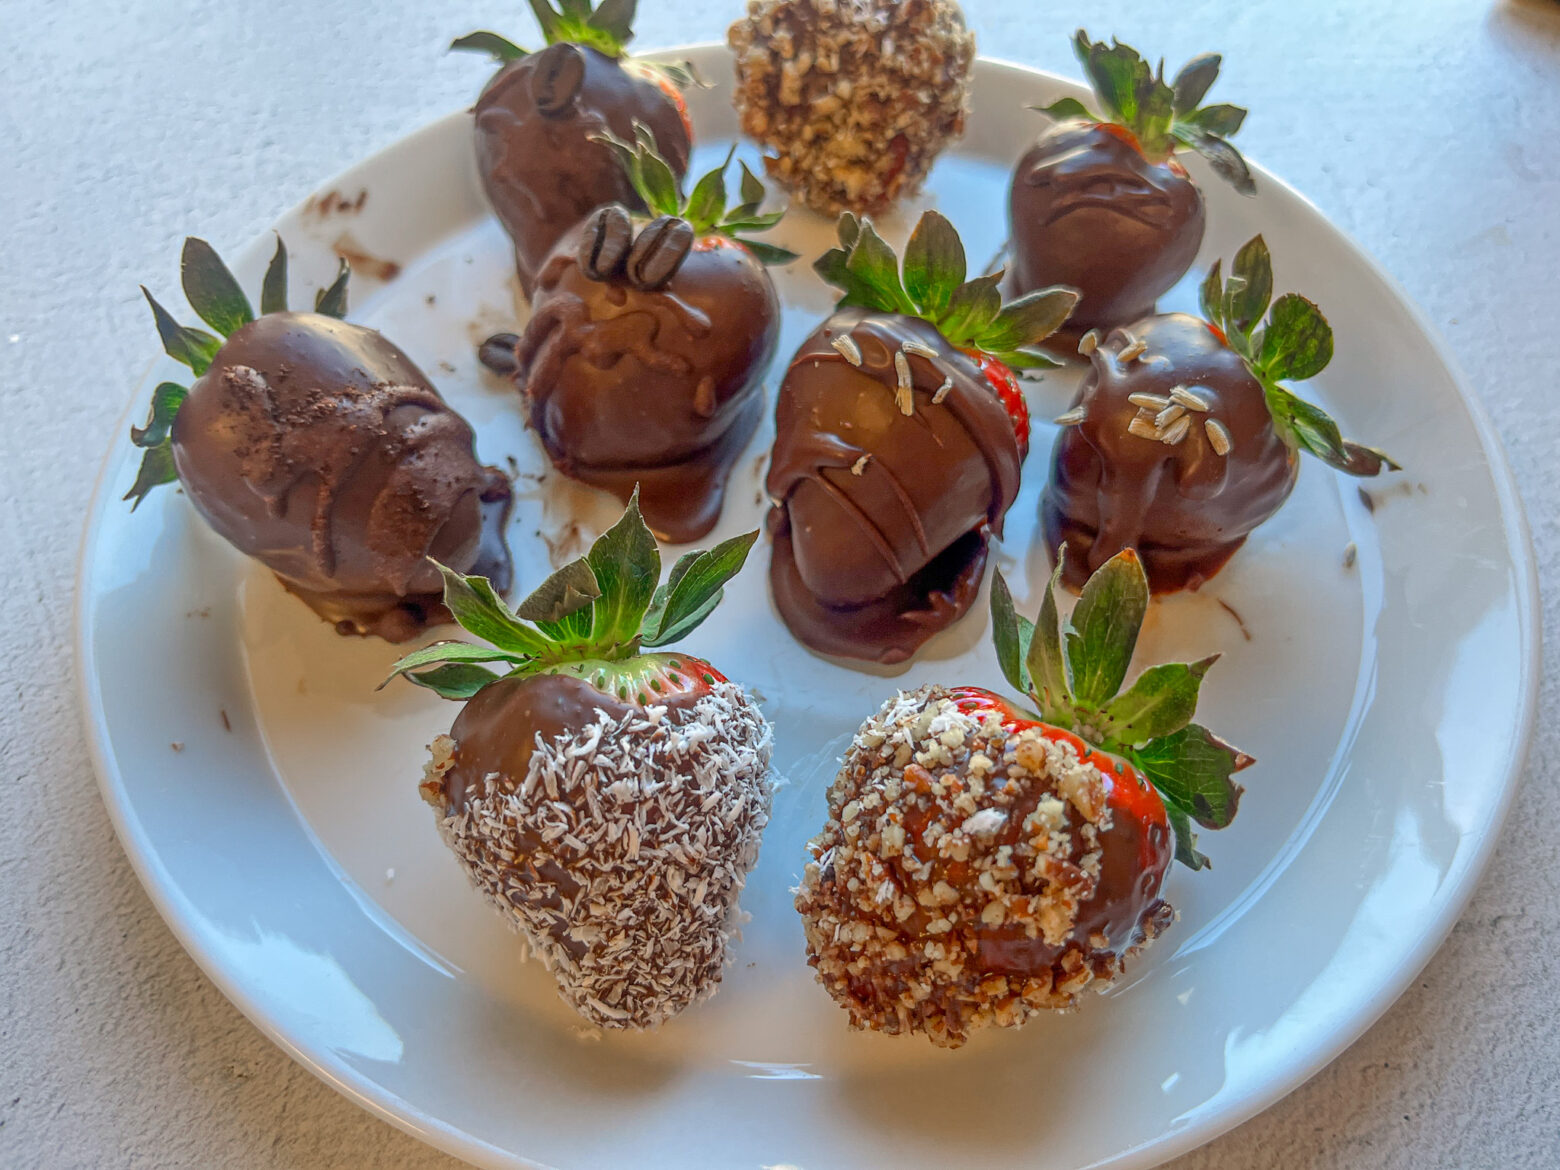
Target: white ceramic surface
point(1389, 702)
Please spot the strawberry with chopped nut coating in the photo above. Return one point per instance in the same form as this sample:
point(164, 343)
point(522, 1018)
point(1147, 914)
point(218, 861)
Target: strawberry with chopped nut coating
point(900, 432)
point(982, 862)
point(606, 795)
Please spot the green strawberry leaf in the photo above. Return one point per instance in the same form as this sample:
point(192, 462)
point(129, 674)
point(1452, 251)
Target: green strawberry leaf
point(193, 347)
point(273, 290)
point(1115, 73)
point(1156, 113)
point(934, 263)
point(1192, 770)
point(1227, 162)
point(1065, 109)
point(751, 221)
point(156, 469)
point(752, 189)
point(481, 611)
point(769, 254)
point(456, 680)
point(1019, 360)
point(1298, 342)
point(1030, 319)
point(615, 18)
point(1011, 633)
point(1186, 851)
point(1253, 267)
point(1051, 689)
point(166, 400)
point(658, 183)
point(1194, 80)
point(1220, 120)
point(696, 588)
point(1103, 630)
point(332, 301)
point(211, 290)
point(971, 310)
point(848, 229)
point(1312, 429)
point(833, 268)
point(568, 590)
point(707, 204)
point(1160, 702)
point(627, 564)
point(446, 652)
point(549, 20)
point(663, 593)
point(873, 262)
point(501, 49)
point(1210, 296)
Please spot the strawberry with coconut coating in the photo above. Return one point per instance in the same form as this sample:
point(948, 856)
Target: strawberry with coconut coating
point(538, 122)
point(1182, 438)
point(642, 364)
point(900, 431)
point(1101, 203)
point(317, 447)
point(982, 862)
point(606, 800)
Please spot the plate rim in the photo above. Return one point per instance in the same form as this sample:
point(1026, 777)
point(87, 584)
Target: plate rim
point(372, 1096)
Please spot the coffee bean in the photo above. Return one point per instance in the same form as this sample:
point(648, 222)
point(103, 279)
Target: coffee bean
point(559, 73)
point(605, 241)
point(659, 251)
point(497, 353)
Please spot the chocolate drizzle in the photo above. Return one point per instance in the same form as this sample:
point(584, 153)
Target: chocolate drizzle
point(1087, 210)
point(1183, 505)
point(539, 165)
point(660, 386)
point(881, 518)
point(317, 447)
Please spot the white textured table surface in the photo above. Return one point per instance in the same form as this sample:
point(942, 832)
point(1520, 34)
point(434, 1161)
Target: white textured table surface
point(1426, 128)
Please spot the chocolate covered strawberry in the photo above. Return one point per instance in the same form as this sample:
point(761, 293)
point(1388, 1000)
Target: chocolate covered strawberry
point(983, 862)
point(606, 795)
point(642, 365)
point(319, 448)
point(1101, 203)
point(1183, 436)
point(539, 119)
point(900, 430)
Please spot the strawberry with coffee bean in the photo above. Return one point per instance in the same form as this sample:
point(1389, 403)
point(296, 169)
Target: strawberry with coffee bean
point(983, 860)
point(900, 431)
point(642, 364)
point(539, 120)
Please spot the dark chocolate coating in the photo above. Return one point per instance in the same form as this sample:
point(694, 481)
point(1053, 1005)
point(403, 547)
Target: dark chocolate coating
point(660, 388)
point(1087, 210)
point(1185, 508)
point(497, 729)
point(317, 447)
point(541, 171)
point(871, 565)
point(1124, 909)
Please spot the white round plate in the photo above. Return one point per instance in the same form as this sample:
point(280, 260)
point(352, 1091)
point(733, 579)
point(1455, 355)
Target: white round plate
point(1379, 660)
